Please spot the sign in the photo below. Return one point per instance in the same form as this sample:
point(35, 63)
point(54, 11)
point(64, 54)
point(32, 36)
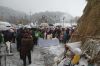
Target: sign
point(48, 42)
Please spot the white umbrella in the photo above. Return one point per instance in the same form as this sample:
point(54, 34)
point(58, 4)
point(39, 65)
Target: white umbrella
point(27, 26)
point(44, 25)
point(32, 25)
point(5, 26)
point(5, 23)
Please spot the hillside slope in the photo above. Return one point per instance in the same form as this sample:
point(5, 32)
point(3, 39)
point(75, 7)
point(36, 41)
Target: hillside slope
point(89, 23)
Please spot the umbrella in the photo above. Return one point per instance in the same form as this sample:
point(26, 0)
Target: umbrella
point(27, 26)
point(32, 25)
point(5, 26)
point(51, 25)
point(44, 25)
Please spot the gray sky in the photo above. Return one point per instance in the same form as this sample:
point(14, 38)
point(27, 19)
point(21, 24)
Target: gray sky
point(73, 7)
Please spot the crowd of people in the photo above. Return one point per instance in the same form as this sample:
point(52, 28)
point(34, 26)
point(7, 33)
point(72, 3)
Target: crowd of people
point(26, 38)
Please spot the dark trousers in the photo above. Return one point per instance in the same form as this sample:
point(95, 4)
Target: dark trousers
point(29, 58)
point(35, 40)
point(0, 60)
point(66, 65)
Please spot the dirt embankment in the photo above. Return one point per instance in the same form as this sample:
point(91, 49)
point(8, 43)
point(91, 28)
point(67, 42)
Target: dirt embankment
point(89, 23)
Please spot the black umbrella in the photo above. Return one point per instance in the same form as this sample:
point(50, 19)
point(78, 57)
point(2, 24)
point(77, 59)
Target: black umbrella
point(51, 25)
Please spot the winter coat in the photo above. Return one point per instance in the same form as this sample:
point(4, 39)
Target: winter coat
point(19, 35)
point(75, 59)
point(26, 45)
point(37, 34)
point(8, 36)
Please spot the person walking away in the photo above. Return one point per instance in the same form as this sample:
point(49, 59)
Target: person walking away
point(66, 36)
point(1, 38)
point(26, 47)
point(8, 37)
point(19, 35)
point(37, 35)
point(61, 37)
point(1, 41)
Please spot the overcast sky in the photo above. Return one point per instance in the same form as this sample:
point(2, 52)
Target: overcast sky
point(73, 7)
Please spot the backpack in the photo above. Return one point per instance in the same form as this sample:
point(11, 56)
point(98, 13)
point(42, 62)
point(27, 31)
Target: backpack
point(27, 41)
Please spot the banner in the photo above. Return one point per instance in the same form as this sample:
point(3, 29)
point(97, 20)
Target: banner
point(47, 42)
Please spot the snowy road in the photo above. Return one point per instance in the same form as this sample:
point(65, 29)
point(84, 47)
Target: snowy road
point(14, 60)
point(37, 58)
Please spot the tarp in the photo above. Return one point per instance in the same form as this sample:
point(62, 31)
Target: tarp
point(47, 42)
point(52, 54)
point(73, 46)
point(56, 50)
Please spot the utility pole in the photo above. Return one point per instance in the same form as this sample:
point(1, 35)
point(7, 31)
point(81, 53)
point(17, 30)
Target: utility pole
point(63, 21)
point(30, 16)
